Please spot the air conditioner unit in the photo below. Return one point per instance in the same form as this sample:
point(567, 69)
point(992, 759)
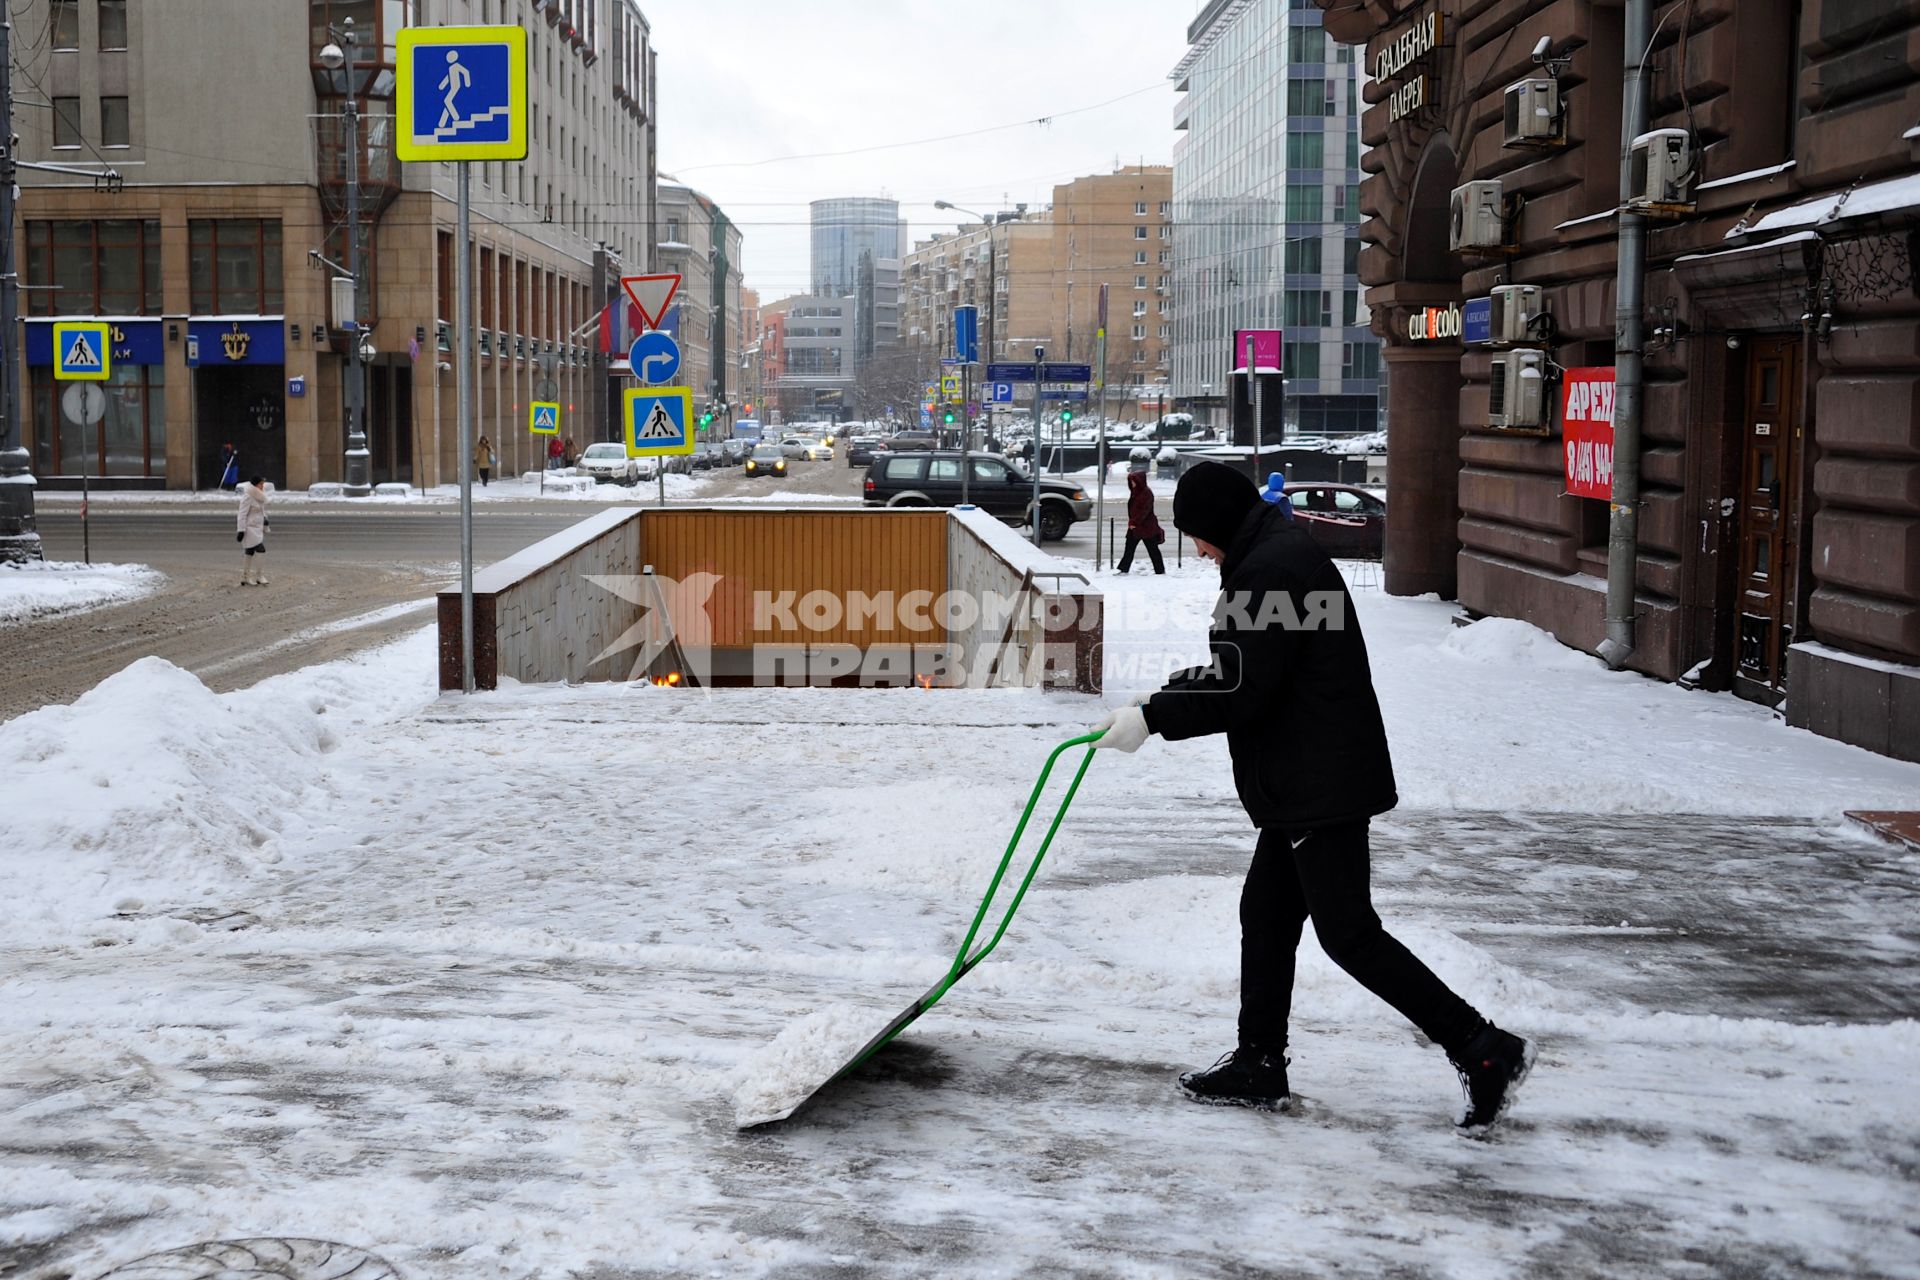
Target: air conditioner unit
point(1514, 308)
point(1661, 170)
point(1477, 220)
point(1534, 118)
point(1519, 391)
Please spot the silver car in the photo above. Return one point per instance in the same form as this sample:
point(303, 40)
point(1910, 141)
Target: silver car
point(607, 461)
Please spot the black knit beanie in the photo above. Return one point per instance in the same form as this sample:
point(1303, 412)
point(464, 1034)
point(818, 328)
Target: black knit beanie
point(1212, 502)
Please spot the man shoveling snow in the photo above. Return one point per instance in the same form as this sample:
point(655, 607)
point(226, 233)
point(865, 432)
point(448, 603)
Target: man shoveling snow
point(1287, 651)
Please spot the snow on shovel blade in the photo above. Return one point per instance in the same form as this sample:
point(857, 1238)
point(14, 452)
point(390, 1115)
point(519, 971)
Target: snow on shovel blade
point(822, 1047)
point(813, 1053)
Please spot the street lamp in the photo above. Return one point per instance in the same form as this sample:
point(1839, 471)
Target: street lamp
point(358, 460)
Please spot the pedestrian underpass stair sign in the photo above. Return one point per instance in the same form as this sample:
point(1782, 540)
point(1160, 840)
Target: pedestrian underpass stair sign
point(80, 352)
point(543, 419)
point(657, 420)
point(462, 93)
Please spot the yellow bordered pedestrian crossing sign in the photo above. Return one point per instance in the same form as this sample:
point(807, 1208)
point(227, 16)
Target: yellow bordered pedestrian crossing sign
point(461, 93)
point(80, 352)
point(657, 420)
point(543, 419)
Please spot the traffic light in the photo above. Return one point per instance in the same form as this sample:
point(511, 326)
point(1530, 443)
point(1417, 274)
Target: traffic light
point(706, 418)
point(1066, 415)
point(949, 417)
point(748, 411)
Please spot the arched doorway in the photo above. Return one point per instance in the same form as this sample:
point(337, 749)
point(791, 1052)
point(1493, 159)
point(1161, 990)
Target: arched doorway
point(1423, 414)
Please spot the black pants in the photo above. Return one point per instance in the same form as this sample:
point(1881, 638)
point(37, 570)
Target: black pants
point(486, 474)
point(1134, 541)
point(1322, 873)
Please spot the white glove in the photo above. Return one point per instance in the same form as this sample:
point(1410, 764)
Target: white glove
point(1123, 730)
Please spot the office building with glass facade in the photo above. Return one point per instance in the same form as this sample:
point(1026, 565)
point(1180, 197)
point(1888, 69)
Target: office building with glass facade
point(1266, 214)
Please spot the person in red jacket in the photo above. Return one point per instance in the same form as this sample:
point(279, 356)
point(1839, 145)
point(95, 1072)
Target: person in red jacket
point(1142, 525)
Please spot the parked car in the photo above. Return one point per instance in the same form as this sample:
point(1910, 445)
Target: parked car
point(707, 455)
point(1348, 522)
point(767, 460)
point(913, 440)
point(860, 449)
point(607, 462)
point(931, 478)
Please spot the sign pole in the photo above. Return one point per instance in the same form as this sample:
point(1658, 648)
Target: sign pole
point(1100, 481)
point(463, 411)
point(1253, 395)
point(86, 533)
point(1039, 399)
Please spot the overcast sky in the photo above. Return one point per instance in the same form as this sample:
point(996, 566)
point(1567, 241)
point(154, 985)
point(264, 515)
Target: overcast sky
point(743, 81)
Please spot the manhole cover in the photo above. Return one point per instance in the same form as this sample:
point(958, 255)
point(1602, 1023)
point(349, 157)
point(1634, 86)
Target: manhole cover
point(271, 1256)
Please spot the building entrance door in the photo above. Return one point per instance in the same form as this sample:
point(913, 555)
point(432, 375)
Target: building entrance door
point(1766, 507)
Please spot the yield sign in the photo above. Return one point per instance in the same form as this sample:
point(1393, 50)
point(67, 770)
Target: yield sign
point(651, 295)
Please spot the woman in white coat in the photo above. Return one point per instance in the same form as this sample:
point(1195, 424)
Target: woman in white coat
point(252, 527)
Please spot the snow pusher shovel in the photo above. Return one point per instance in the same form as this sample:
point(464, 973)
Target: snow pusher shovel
point(780, 1098)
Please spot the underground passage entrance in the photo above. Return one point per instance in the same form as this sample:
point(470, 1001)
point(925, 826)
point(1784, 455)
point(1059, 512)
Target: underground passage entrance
point(738, 597)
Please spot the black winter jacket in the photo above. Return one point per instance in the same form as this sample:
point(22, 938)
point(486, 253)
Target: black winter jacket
point(1296, 702)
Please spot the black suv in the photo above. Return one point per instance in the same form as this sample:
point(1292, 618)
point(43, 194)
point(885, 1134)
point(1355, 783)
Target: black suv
point(932, 479)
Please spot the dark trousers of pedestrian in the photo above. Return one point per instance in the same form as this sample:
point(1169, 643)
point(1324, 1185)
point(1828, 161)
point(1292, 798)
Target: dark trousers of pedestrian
point(1134, 542)
point(486, 474)
point(1322, 874)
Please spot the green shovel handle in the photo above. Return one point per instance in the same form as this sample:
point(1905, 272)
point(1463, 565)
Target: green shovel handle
point(963, 961)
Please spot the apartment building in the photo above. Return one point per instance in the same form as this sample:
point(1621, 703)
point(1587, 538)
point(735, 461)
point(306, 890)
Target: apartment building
point(229, 163)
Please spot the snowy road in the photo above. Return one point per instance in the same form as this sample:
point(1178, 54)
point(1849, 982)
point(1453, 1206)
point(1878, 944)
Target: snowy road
point(438, 999)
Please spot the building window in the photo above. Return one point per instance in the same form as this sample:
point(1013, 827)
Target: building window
point(1166, 207)
point(1139, 308)
point(113, 24)
point(1307, 308)
point(1305, 202)
point(1166, 256)
point(1140, 257)
point(1350, 307)
point(1360, 361)
point(233, 266)
point(1309, 44)
point(1303, 256)
point(113, 122)
point(1301, 360)
point(66, 122)
point(1139, 332)
point(130, 441)
point(1307, 150)
point(1139, 208)
point(1139, 282)
point(1352, 256)
point(1307, 97)
point(1166, 231)
point(64, 18)
point(93, 268)
point(1139, 233)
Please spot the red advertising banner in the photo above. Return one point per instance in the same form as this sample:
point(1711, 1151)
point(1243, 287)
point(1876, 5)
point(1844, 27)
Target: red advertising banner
point(1586, 414)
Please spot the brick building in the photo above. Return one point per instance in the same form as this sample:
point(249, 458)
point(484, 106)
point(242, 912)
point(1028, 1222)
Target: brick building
point(1779, 525)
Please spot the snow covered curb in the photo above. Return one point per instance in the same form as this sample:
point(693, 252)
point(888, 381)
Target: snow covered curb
point(44, 588)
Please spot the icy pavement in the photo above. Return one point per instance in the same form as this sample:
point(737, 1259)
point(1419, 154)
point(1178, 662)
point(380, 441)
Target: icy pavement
point(44, 588)
point(467, 984)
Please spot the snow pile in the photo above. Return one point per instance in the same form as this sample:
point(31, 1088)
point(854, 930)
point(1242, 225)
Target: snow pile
point(777, 1079)
point(152, 792)
point(39, 588)
point(1509, 642)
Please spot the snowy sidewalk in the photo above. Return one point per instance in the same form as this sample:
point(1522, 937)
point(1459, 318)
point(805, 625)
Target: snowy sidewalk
point(467, 984)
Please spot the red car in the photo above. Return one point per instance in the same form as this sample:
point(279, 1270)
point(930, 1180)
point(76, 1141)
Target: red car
point(1349, 522)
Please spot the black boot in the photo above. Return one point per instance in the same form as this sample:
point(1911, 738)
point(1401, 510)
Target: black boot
point(1492, 1066)
point(1248, 1077)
